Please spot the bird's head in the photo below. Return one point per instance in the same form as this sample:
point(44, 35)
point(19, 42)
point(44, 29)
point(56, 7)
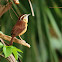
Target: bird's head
point(24, 18)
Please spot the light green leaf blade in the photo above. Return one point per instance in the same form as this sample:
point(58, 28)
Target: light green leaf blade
point(20, 55)
point(4, 50)
point(15, 54)
point(1, 45)
point(18, 50)
point(7, 51)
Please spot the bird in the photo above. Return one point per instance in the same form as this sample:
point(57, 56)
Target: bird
point(20, 27)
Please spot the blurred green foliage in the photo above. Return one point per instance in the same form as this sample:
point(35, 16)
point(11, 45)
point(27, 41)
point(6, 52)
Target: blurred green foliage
point(44, 29)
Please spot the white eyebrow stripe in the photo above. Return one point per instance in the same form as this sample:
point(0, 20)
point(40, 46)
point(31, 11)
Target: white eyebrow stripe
point(23, 15)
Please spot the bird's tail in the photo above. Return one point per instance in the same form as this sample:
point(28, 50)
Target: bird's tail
point(11, 42)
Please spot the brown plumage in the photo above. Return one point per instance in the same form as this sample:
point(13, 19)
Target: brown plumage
point(20, 27)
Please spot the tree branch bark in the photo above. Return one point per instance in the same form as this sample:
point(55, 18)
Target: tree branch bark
point(8, 38)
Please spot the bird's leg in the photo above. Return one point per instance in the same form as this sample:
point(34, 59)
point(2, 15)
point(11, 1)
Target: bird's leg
point(20, 38)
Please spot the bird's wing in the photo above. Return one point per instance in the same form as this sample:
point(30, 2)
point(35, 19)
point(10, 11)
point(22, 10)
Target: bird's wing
point(17, 30)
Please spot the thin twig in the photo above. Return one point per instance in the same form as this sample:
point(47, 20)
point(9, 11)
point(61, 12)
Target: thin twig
point(15, 12)
point(19, 59)
point(31, 7)
point(2, 41)
point(5, 8)
point(4, 57)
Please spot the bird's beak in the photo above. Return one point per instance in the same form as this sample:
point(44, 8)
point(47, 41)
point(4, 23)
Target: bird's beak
point(28, 14)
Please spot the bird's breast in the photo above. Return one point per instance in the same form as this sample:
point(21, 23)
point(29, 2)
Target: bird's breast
point(23, 30)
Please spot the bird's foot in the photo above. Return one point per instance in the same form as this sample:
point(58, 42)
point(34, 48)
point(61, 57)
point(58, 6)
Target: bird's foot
point(20, 38)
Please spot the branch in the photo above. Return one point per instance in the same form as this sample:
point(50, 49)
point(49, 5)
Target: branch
point(5, 8)
point(8, 38)
point(31, 7)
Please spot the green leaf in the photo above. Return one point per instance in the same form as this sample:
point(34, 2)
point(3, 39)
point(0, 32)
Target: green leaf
point(14, 50)
point(1, 45)
point(4, 49)
point(18, 50)
point(19, 55)
point(7, 51)
point(11, 49)
point(15, 54)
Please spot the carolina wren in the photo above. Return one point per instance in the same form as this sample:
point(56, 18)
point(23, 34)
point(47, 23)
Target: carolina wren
point(20, 27)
